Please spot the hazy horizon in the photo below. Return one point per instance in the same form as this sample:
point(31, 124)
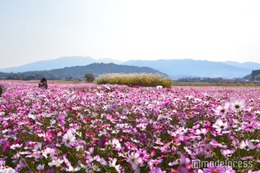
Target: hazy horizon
point(224, 30)
point(109, 60)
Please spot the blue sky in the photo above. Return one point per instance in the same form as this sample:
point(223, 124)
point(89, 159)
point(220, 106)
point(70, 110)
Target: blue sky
point(223, 30)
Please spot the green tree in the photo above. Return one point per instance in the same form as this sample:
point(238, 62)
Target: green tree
point(89, 77)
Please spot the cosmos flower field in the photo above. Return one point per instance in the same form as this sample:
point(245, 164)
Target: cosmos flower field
point(115, 128)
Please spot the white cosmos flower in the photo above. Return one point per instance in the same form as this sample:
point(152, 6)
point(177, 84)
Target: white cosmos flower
point(55, 162)
point(72, 131)
point(133, 158)
point(116, 144)
point(68, 139)
point(48, 152)
point(112, 163)
point(222, 109)
point(72, 169)
point(220, 126)
point(246, 144)
point(237, 105)
point(32, 116)
point(40, 167)
point(100, 160)
point(159, 87)
point(14, 146)
point(7, 169)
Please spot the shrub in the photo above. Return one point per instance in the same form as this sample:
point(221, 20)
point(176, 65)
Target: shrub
point(89, 77)
point(134, 79)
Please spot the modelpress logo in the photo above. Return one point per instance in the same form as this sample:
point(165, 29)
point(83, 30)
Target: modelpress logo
point(236, 163)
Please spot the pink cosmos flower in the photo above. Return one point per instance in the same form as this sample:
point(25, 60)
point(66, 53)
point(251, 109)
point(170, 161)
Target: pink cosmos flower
point(214, 170)
point(216, 144)
point(250, 171)
point(17, 141)
point(61, 119)
point(227, 152)
point(184, 160)
point(201, 131)
point(2, 162)
point(48, 136)
point(154, 163)
point(6, 146)
point(157, 170)
point(229, 169)
point(101, 160)
point(36, 155)
point(101, 143)
point(165, 148)
point(143, 154)
point(70, 168)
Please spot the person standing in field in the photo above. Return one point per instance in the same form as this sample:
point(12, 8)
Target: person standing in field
point(43, 83)
point(1, 90)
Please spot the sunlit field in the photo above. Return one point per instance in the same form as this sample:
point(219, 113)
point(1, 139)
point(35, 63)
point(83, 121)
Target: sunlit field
point(80, 127)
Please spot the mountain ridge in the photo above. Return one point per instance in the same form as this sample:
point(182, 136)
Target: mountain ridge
point(78, 72)
point(51, 64)
point(176, 68)
point(196, 68)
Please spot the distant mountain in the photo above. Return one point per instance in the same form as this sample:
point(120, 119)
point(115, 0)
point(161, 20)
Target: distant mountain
point(78, 72)
point(56, 64)
point(197, 68)
point(247, 65)
point(174, 67)
point(253, 76)
point(98, 69)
